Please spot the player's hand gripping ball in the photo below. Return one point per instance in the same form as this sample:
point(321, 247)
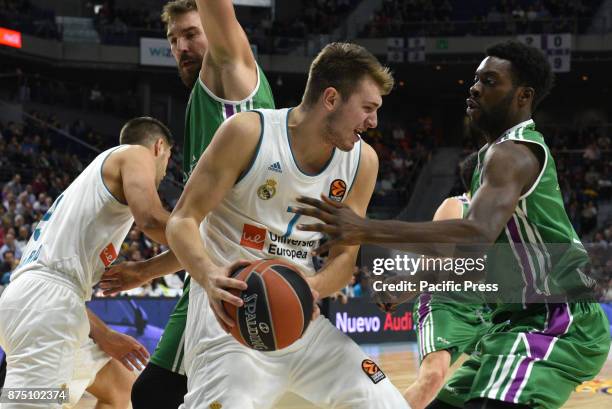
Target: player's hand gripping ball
point(278, 305)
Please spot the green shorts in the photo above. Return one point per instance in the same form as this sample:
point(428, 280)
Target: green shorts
point(170, 350)
point(452, 326)
point(535, 357)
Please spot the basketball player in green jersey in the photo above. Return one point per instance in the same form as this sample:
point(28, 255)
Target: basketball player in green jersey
point(215, 60)
point(535, 353)
point(446, 326)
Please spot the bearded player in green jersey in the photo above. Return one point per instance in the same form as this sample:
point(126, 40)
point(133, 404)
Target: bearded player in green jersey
point(215, 60)
point(536, 353)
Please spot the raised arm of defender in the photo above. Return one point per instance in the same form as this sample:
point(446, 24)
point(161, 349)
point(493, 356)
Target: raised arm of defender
point(510, 169)
point(229, 67)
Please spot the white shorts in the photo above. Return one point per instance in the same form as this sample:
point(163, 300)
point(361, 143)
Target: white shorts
point(44, 331)
point(324, 367)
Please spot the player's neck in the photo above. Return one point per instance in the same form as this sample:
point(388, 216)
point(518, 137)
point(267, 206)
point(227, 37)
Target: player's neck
point(310, 150)
point(494, 134)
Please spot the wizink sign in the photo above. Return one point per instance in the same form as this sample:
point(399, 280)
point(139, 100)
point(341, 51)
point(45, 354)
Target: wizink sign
point(156, 51)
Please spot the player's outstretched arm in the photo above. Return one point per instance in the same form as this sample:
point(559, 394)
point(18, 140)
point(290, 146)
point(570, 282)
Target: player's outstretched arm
point(131, 353)
point(218, 169)
point(137, 169)
point(131, 274)
point(510, 169)
point(338, 269)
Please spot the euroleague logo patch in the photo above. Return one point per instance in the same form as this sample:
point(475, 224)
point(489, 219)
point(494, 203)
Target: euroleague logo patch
point(337, 190)
point(372, 370)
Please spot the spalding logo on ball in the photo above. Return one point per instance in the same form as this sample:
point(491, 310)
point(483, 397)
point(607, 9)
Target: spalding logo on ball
point(277, 307)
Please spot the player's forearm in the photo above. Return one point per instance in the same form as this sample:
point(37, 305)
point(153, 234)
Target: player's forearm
point(97, 328)
point(160, 265)
point(226, 38)
point(334, 276)
point(426, 237)
point(185, 242)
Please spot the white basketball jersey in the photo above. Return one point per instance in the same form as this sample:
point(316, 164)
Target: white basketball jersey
point(252, 221)
point(81, 234)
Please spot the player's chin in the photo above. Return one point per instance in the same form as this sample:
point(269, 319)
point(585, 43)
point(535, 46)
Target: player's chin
point(473, 114)
point(346, 147)
point(189, 75)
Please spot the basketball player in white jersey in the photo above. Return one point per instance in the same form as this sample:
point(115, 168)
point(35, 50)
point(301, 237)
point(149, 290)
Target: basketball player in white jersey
point(50, 338)
point(242, 187)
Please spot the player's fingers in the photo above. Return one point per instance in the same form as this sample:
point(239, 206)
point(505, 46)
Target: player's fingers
point(141, 356)
point(236, 265)
point(319, 227)
point(316, 312)
point(139, 349)
point(312, 212)
point(330, 202)
point(144, 352)
point(227, 282)
point(109, 281)
point(134, 362)
point(229, 298)
point(111, 291)
point(319, 204)
point(124, 361)
point(315, 294)
point(224, 320)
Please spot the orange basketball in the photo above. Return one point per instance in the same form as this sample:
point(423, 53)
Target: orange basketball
point(277, 307)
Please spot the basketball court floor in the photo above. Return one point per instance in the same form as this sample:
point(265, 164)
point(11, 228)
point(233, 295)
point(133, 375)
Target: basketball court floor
point(400, 363)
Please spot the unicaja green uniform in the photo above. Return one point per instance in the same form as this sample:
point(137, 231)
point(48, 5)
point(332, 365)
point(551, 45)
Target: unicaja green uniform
point(536, 353)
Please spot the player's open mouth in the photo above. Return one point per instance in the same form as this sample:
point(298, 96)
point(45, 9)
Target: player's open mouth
point(358, 133)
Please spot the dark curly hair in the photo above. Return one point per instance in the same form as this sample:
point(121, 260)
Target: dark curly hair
point(530, 67)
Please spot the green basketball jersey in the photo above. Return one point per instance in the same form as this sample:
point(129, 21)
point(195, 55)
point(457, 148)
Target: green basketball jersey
point(206, 112)
point(538, 254)
point(464, 199)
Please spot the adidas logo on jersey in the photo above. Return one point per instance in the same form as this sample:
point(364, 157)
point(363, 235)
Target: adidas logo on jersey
point(275, 167)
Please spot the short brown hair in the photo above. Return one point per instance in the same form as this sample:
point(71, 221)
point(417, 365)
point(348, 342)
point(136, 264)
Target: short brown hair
point(144, 131)
point(343, 66)
point(176, 8)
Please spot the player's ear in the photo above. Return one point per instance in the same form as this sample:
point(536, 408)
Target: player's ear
point(331, 98)
point(526, 95)
point(158, 148)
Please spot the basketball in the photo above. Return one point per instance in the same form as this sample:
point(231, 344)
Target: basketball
point(277, 307)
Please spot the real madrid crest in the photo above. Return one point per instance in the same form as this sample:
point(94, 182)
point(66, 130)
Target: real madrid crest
point(267, 190)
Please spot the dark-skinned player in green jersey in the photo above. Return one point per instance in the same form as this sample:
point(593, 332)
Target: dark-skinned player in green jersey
point(536, 353)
